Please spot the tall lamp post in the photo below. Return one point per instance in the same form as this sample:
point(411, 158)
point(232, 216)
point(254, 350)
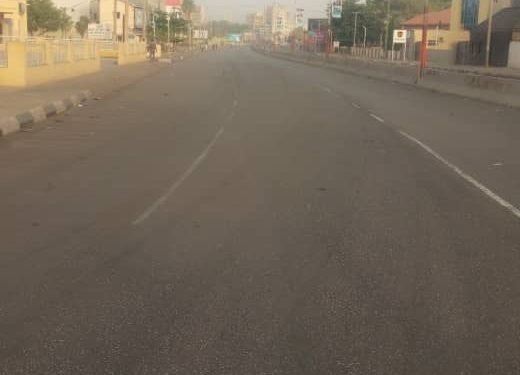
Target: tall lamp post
point(387, 24)
point(489, 32)
point(355, 28)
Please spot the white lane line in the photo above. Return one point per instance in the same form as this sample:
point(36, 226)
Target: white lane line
point(177, 184)
point(501, 201)
point(356, 105)
point(377, 118)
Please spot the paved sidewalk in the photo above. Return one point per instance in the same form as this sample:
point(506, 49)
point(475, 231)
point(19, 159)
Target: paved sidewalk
point(20, 103)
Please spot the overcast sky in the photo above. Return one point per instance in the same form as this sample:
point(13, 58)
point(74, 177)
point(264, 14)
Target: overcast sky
point(236, 10)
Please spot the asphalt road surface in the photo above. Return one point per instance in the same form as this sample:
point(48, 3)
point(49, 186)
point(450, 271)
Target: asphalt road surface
point(238, 214)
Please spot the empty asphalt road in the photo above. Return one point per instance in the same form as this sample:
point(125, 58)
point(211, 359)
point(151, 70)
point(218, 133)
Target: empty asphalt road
point(238, 214)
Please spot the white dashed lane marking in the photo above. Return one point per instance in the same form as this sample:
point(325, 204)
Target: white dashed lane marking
point(377, 118)
point(488, 192)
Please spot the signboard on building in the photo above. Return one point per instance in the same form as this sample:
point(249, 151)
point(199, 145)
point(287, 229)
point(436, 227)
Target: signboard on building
point(99, 31)
point(200, 34)
point(400, 36)
point(299, 17)
point(337, 8)
point(138, 18)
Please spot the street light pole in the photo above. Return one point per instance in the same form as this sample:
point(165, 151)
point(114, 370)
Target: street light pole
point(145, 20)
point(114, 30)
point(168, 19)
point(489, 32)
point(355, 28)
point(153, 24)
point(387, 26)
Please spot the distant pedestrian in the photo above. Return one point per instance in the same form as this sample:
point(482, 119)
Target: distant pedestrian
point(152, 50)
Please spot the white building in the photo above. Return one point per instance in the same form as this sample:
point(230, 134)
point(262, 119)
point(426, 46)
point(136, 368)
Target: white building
point(102, 13)
point(279, 24)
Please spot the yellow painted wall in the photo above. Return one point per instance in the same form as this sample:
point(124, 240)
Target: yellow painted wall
point(17, 21)
point(18, 74)
point(15, 73)
point(128, 55)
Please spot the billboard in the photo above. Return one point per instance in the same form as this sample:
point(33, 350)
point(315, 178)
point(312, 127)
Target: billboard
point(99, 31)
point(337, 8)
point(174, 3)
point(200, 34)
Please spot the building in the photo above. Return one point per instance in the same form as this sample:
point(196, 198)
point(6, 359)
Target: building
point(279, 24)
point(450, 28)
point(505, 39)
point(103, 17)
point(256, 23)
point(199, 16)
point(174, 8)
point(317, 38)
point(13, 19)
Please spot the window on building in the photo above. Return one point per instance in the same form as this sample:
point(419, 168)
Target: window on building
point(469, 16)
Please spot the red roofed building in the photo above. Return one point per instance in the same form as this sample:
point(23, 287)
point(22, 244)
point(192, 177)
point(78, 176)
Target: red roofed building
point(449, 27)
point(442, 38)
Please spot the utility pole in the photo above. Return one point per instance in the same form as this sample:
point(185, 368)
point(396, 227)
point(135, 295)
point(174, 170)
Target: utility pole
point(168, 19)
point(125, 24)
point(114, 26)
point(489, 31)
point(145, 21)
point(387, 24)
point(424, 43)
point(365, 37)
point(355, 28)
point(153, 24)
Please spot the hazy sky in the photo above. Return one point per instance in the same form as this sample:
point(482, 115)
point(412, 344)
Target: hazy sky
point(235, 10)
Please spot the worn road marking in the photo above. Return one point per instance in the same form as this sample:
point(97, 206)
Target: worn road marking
point(501, 201)
point(173, 188)
point(377, 117)
point(326, 89)
point(356, 105)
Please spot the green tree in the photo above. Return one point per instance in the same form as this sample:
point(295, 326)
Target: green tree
point(374, 16)
point(42, 17)
point(82, 25)
point(188, 7)
point(64, 21)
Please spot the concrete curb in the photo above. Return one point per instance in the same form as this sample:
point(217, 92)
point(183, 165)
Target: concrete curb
point(24, 120)
point(486, 88)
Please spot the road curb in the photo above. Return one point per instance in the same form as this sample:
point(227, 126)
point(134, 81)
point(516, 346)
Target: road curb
point(485, 88)
point(24, 120)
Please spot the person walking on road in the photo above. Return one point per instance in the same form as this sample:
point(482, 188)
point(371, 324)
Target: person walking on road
point(152, 49)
